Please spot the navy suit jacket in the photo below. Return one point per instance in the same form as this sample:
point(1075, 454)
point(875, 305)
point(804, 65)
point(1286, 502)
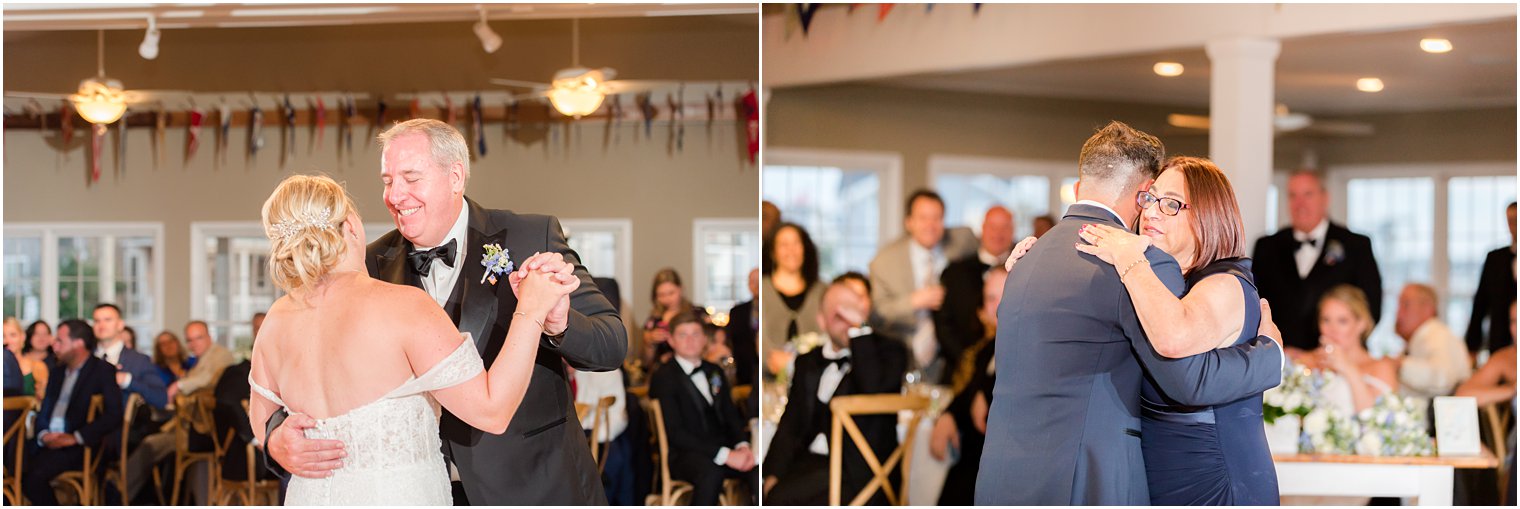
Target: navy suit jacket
point(95, 377)
point(145, 379)
point(1064, 427)
point(13, 375)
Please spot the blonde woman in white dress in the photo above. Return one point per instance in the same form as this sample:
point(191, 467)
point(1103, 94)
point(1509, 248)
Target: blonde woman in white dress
point(372, 361)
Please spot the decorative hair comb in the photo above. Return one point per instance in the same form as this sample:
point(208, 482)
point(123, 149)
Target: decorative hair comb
point(290, 227)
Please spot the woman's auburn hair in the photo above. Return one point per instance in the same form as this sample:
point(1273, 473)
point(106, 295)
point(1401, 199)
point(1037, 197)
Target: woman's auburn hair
point(1215, 221)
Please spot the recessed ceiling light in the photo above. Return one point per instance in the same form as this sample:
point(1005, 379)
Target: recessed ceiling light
point(1435, 45)
point(1369, 85)
point(1168, 69)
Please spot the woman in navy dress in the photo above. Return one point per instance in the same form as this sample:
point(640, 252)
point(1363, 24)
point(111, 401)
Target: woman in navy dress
point(1214, 455)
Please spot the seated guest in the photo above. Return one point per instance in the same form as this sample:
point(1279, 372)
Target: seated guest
point(210, 360)
point(231, 391)
point(62, 430)
point(129, 337)
point(27, 369)
point(792, 293)
point(170, 357)
point(135, 372)
point(1435, 359)
point(706, 433)
point(590, 387)
point(38, 350)
point(1043, 224)
point(1495, 381)
point(854, 360)
point(1345, 322)
point(669, 300)
point(741, 333)
point(962, 430)
point(214, 359)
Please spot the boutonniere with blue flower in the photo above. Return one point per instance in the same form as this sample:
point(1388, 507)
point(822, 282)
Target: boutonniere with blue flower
point(1334, 253)
point(497, 261)
point(714, 381)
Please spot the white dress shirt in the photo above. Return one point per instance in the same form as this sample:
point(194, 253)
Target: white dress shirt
point(57, 422)
point(827, 384)
point(927, 265)
point(1104, 207)
point(441, 278)
point(112, 354)
point(590, 388)
point(1435, 363)
point(1306, 255)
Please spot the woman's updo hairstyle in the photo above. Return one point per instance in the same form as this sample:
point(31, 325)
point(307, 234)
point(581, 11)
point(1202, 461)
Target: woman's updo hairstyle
point(303, 219)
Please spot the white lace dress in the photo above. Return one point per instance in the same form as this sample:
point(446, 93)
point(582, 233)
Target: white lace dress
point(394, 453)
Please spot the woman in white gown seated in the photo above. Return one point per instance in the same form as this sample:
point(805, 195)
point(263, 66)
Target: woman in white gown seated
point(371, 361)
point(1345, 322)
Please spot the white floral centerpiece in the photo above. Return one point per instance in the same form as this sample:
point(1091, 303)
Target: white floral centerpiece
point(1394, 426)
point(799, 345)
point(1329, 431)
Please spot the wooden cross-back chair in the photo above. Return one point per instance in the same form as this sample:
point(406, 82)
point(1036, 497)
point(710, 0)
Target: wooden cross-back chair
point(117, 474)
point(253, 491)
point(192, 415)
point(671, 491)
point(844, 409)
point(15, 436)
point(82, 482)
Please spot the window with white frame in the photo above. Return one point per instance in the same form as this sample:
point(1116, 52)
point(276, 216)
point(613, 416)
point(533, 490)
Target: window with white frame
point(1475, 224)
point(1429, 223)
point(723, 252)
point(57, 271)
point(971, 185)
point(849, 202)
point(604, 248)
point(229, 265)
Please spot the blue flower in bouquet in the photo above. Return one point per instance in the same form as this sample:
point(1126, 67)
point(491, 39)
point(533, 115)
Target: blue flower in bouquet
point(497, 261)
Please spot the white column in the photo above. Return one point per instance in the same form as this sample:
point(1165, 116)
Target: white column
point(1240, 121)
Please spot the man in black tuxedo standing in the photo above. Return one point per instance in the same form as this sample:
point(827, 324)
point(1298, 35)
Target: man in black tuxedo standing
point(1298, 264)
point(956, 324)
point(706, 433)
point(854, 360)
point(742, 331)
point(442, 243)
point(1490, 304)
point(62, 433)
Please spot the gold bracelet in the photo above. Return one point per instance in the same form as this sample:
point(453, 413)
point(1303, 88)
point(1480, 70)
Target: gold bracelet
point(1131, 267)
point(541, 328)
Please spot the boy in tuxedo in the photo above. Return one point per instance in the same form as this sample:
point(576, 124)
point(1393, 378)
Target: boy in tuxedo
point(706, 433)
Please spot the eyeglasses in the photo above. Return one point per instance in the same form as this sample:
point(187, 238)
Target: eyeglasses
point(1169, 206)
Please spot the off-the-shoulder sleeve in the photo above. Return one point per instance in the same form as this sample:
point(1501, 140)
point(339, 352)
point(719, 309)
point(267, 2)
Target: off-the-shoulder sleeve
point(458, 367)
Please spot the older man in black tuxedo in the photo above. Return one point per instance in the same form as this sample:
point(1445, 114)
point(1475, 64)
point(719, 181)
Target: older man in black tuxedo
point(1298, 264)
point(440, 245)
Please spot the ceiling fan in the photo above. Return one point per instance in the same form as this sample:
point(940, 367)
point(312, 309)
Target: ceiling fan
point(578, 91)
point(100, 99)
point(1283, 122)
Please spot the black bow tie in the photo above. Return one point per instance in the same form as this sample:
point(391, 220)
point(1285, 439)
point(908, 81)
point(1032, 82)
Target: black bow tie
point(422, 261)
point(1311, 242)
point(842, 361)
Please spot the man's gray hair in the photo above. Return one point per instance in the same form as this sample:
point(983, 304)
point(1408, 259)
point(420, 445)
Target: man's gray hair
point(447, 144)
point(1119, 157)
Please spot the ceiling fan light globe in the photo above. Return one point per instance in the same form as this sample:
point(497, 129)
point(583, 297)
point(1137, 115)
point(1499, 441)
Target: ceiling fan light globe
point(576, 102)
point(99, 110)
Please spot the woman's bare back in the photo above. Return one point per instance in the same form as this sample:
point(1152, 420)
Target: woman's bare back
point(342, 347)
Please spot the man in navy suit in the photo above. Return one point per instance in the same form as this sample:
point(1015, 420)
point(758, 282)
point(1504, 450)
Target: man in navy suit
point(62, 431)
point(1064, 426)
point(135, 371)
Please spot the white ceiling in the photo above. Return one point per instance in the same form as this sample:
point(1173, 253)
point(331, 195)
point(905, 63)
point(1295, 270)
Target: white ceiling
point(1314, 74)
point(39, 16)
